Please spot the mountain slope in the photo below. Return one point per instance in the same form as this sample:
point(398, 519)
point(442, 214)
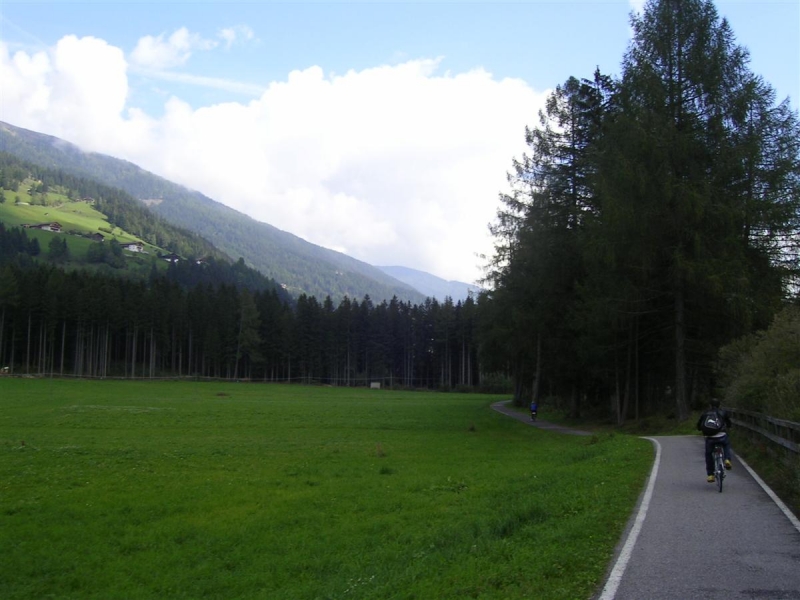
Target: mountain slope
point(430, 285)
point(114, 205)
point(78, 223)
point(301, 266)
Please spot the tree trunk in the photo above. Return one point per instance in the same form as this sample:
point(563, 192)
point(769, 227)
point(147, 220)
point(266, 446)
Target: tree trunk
point(13, 346)
point(629, 375)
point(537, 374)
point(681, 406)
point(133, 353)
point(63, 343)
point(28, 347)
point(575, 403)
point(2, 339)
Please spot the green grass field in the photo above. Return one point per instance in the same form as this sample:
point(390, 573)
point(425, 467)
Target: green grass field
point(219, 490)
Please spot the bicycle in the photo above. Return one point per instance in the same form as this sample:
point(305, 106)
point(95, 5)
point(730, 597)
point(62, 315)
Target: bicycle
point(718, 454)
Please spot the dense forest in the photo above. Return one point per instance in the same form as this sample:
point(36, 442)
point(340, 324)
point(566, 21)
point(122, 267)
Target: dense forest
point(81, 324)
point(650, 232)
point(654, 220)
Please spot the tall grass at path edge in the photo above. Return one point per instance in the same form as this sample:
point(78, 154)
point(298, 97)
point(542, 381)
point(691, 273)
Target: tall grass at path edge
point(150, 490)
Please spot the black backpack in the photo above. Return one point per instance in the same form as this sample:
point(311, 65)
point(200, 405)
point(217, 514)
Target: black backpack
point(712, 423)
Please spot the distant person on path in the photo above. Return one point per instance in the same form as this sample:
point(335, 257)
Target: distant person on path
point(715, 423)
point(534, 409)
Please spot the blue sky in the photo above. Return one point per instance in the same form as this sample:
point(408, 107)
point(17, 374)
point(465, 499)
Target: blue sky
point(381, 129)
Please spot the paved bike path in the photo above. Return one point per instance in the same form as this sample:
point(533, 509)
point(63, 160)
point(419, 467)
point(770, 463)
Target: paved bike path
point(686, 541)
point(504, 407)
point(695, 543)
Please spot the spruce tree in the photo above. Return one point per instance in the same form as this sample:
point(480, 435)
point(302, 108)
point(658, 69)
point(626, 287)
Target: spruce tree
point(683, 171)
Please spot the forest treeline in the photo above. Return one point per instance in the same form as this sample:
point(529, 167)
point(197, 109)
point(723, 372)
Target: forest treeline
point(90, 325)
point(654, 220)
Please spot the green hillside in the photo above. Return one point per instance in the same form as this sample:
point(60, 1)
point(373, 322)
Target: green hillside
point(53, 213)
point(78, 223)
point(77, 217)
point(302, 267)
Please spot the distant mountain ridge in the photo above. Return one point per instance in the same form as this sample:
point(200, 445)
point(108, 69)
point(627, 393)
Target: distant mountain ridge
point(302, 267)
point(430, 285)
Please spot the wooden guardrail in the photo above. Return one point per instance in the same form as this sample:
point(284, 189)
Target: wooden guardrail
point(783, 433)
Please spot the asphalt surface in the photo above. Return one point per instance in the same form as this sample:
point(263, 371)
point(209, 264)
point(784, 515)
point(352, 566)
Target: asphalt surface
point(697, 543)
point(505, 408)
point(687, 541)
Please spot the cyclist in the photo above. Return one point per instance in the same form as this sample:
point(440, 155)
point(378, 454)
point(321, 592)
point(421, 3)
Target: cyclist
point(534, 409)
point(715, 423)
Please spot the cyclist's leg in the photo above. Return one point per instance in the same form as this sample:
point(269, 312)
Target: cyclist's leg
point(709, 458)
point(726, 449)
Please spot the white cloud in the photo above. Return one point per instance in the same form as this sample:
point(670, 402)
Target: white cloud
point(78, 89)
point(238, 33)
point(395, 165)
point(159, 53)
point(228, 85)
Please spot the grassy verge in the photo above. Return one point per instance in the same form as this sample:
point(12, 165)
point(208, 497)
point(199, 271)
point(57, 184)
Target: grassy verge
point(180, 490)
point(650, 425)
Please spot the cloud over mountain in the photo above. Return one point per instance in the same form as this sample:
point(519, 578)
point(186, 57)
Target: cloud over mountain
point(394, 164)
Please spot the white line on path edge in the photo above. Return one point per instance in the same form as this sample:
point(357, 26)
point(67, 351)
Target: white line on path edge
point(794, 520)
point(610, 589)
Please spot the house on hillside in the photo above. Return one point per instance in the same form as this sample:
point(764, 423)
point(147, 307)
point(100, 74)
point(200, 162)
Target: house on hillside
point(133, 247)
point(54, 227)
point(171, 258)
point(96, 237)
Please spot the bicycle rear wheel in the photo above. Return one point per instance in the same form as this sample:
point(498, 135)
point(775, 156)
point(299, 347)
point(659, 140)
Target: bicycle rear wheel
point(720, 470)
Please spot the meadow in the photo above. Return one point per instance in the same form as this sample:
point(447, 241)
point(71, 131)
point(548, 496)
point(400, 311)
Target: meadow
point(136, 489)
point(76, 216)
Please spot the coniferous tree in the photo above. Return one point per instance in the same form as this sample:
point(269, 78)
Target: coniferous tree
point(9, 299)
point(655, 219)
point(248, 339)
point(685, 97)
point(537, 263)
